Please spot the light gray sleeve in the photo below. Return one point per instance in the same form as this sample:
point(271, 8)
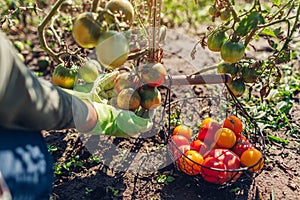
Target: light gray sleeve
point(31, 103)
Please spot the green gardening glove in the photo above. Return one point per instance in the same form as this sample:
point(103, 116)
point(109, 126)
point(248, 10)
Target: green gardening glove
point(111, 120)
point(117, 122)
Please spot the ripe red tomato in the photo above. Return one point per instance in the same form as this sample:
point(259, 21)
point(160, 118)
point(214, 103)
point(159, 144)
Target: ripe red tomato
point(153, 74)
point(199, 146)
point(230, 159)
point(207, 131)
point(213, 176)
point(183, 130)
point(191, 162)
point(241, 146)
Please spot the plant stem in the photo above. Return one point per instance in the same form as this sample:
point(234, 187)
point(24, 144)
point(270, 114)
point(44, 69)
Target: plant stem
point(234, 14)
point(41, 31)
point(95, 5)
point(293, 29)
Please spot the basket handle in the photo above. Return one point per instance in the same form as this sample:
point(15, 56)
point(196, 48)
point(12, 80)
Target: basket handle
point(198, 79)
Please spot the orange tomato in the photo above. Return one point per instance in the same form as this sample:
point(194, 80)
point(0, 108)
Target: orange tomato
point(199, 146)
point(233, 123)
point(190, 162)
point(225, 138)
point(252, 158)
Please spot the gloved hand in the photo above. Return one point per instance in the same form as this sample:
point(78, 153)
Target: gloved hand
point(111, 120)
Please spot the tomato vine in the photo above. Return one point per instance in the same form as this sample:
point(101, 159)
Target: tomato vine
point(258, 22)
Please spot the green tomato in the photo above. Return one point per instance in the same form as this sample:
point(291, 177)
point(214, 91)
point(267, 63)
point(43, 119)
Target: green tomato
point(227, 68)
point(89, 71)
point(112, 49)
point(86, 31)
point(250, 74)
point(215, 40)
point(225, 14)
point(122, 7)
point(64, 77)
point(237, 87)
point(232, 52)
point(213, 11)
point(150, 97)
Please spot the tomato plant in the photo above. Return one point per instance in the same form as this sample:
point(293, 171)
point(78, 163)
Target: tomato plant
point(273, 22)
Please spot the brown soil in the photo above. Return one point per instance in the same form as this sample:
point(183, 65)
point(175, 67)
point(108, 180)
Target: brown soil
point(118, 175)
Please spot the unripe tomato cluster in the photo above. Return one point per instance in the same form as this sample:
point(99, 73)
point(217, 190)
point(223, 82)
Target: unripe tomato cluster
point(103, 31)
point(137, 90)
point(220, 9)
point(217, 152)
point(232, 50)
point(242, 73)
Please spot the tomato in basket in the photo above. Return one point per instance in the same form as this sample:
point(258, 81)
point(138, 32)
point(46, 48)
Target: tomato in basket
point(191, 162)
point(213, 170)
point(231, 161)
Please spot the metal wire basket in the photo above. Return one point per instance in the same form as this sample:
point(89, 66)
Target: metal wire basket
point(191, 111)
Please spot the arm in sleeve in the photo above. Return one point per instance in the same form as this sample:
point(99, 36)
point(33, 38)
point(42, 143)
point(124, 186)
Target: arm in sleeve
point(31, 103)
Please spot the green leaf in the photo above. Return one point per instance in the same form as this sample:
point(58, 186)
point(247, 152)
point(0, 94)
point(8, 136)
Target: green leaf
point(276, 2)
point(249, 23)
point(277, 31)
point(170, 179)
point(278, 140)
point(269, 32)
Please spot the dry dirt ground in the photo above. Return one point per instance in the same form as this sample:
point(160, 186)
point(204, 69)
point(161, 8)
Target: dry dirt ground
point(124, 172)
